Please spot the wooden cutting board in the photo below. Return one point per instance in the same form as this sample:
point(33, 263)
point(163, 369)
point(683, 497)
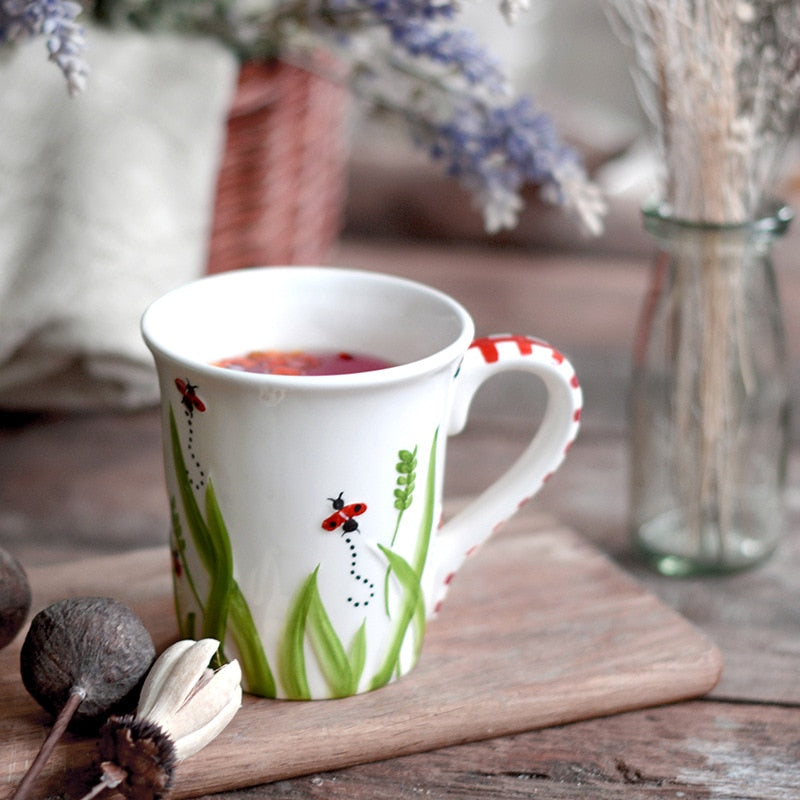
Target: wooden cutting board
point(538, 629)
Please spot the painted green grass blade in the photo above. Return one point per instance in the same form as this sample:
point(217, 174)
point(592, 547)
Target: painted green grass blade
point(181, 571)
point(409, 575)
point(212, 542)
point(292, 660)
point(412, 607)
point(426, 524)
point(216, 612)
point(255, 666)
point(328, 648)
point(179, 545)
point(194, 518)
point(423, 543)
point(357, 654)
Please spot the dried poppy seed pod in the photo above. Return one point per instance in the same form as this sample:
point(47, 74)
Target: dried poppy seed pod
point(183, 706)
point(93, 646)
point(15, 597)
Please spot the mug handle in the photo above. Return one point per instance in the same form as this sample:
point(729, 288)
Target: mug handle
point(486, 357)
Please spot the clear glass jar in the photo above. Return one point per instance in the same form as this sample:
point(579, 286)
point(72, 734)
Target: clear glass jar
point(709, 398)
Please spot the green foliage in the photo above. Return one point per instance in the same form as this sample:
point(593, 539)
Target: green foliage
point(412, 607)
point(407, 476)
point(225, 608)
point(307, 619)
point(186, 625)
point(406, 468)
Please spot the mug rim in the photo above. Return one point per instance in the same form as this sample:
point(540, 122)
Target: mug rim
point(390, 374)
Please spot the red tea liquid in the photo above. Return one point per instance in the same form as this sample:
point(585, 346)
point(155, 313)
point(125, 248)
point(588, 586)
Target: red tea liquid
point(301, 362)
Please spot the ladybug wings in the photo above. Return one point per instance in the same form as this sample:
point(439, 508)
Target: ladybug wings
point(343, 515)
point(189, 396)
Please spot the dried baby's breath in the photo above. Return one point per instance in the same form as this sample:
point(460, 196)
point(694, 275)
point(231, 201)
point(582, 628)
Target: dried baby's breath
point(720, 82)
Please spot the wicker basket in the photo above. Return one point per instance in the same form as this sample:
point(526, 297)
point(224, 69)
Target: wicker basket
point(281, 185)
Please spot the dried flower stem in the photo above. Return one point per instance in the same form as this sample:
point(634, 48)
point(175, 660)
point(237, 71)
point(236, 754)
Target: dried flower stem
point(704, 468)
point(112, 776)
point(720, 81)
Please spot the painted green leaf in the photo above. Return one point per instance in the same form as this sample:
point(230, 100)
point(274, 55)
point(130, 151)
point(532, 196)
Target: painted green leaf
point(216, 611)
point(412, 607)
point(357, 654)
point(194, 518)
point(292, 658)
point(212, 542)
point(331, 656)
point(308, 618)
point(426, 523)
point(210, 539)
point(252, 657)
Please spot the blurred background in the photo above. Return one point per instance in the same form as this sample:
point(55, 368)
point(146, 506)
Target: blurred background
point(567, 57)
point(80, 451)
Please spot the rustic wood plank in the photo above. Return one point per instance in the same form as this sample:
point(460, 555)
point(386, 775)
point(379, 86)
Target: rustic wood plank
point(689, 750)
point(753, 617)
point(539, 629)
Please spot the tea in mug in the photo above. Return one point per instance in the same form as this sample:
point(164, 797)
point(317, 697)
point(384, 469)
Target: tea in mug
point(302, 362)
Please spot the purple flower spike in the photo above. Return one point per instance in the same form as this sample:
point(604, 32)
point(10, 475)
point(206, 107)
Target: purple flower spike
point(55, 20)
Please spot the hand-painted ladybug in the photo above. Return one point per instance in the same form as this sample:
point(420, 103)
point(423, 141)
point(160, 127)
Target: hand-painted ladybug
point(189, 396)
point(343, 515)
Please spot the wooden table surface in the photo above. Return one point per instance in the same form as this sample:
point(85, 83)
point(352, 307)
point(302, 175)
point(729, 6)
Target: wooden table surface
point(74, 485)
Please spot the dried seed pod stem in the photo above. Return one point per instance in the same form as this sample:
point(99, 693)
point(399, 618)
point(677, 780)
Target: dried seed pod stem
point(112, 776)
point(56, 732)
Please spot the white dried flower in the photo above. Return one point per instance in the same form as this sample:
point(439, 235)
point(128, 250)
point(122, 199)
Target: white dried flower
point(183, 706)
point(191, 703)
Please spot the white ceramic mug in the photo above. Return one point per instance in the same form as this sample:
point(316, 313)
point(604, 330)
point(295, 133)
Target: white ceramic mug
point(305, 509)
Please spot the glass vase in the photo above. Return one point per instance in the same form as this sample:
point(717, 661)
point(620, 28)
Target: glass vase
point(709, 398)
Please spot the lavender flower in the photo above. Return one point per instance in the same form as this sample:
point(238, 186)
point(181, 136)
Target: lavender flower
point(408, 9)
point(495, 150)
point(455, 97)
point(453, 48)
point(418, 28)
point(55, 20)
point(402, 57)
